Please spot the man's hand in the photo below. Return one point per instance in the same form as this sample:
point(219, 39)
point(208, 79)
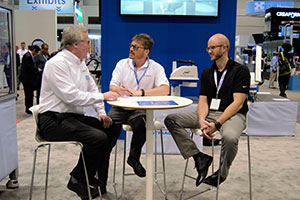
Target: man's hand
point(125, 91)
point(211, 129)
point(207, 128)
point(111, 96)
point(136, 92)
point(107, 121)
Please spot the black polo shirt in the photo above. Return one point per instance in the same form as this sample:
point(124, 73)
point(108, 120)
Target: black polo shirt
point(237, 80)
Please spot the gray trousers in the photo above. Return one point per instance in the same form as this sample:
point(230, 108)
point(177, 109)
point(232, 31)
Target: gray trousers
point(230, 132)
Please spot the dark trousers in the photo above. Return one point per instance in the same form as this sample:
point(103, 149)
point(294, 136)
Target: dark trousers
point(136, 119)
point(28, 92)
point(74, 127)
point(283, 82)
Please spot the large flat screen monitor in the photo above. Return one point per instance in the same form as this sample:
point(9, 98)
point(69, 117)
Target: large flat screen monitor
point(207, 8)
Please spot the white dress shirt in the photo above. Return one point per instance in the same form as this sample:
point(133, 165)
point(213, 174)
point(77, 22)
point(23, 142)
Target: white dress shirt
point(149, 76)
point(67, 86)
point(21, 53)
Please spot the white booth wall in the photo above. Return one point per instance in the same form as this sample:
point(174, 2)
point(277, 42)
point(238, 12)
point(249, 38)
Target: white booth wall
point(36, 24)
point(8, 137)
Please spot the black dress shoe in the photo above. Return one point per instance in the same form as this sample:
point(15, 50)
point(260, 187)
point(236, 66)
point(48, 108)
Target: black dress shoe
point(80, 188)
point(213, 179)
point(103, 190)
point(202, 163)
point(96, 182)
point(137, 167)
point(95, 195)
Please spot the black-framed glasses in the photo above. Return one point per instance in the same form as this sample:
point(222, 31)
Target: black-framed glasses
point(135, 47)
point(87, 41)
point(213, 47)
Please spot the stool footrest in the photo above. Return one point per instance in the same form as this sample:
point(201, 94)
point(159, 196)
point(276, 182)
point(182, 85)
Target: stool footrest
point(191, 177)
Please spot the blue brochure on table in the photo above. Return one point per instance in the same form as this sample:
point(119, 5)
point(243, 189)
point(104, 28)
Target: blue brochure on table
point(150, 103)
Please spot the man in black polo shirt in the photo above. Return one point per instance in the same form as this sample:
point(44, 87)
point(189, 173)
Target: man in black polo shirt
point(222, 107)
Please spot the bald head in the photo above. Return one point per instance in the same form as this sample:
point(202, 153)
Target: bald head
point(219, 39)
point(217, 48)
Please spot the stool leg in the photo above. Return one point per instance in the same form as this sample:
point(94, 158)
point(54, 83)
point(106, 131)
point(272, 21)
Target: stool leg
point(47, 171)
point(86, 176)
point(184, 173)
point(114, 174)
point(99, 189)
point(33, 171)
point(249, 167)
point(213, 155)
point(155, 156)
point(219, 172)
point(123, 175)
point(163, 162)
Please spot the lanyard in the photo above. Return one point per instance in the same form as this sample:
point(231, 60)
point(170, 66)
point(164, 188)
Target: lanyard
point(136, 76)
point(221, 81)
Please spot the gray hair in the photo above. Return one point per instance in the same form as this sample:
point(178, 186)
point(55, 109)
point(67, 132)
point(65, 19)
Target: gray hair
point(71, 35)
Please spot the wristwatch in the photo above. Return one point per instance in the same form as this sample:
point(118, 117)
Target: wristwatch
point(143, 92)
point(218, 125)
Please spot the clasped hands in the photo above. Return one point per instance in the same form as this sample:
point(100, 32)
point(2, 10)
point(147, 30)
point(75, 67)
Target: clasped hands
point(207, 128)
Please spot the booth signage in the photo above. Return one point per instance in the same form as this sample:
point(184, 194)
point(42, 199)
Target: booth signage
point(61, 6)
point(288, 14)
point(259, 7)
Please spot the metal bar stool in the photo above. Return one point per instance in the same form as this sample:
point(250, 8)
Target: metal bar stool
point(126, 127)
point(199, 132)
point(43, 143)
point(249, 164)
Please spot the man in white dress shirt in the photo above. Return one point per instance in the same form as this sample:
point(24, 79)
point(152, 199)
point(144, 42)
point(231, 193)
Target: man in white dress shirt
point(21, 53)
point(137, 75)
point(67, 89)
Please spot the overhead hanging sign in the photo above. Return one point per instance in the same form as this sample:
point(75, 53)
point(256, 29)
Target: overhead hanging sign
point(258, 8)
point(61, 6)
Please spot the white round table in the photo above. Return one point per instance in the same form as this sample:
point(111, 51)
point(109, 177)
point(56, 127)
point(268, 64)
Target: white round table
point(150, 103)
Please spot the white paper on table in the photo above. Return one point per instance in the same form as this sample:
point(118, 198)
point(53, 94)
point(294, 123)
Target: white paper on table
point(263, 92)
point(280, 99)
point(133, 99)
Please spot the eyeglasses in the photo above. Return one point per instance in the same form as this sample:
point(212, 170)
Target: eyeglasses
point(87, 41)
point(135, 47)
point(213, 47)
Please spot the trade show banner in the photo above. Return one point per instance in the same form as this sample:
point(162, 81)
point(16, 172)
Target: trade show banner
point(259, 7)
point(61, 6)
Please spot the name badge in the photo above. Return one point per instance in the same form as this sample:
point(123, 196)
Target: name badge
point(215, 104)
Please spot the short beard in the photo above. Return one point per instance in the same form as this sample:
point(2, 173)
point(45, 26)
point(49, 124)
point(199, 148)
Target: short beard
point(218, 56)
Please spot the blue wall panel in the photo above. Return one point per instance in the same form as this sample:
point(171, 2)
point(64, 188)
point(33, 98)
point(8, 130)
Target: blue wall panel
point(174, 37)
